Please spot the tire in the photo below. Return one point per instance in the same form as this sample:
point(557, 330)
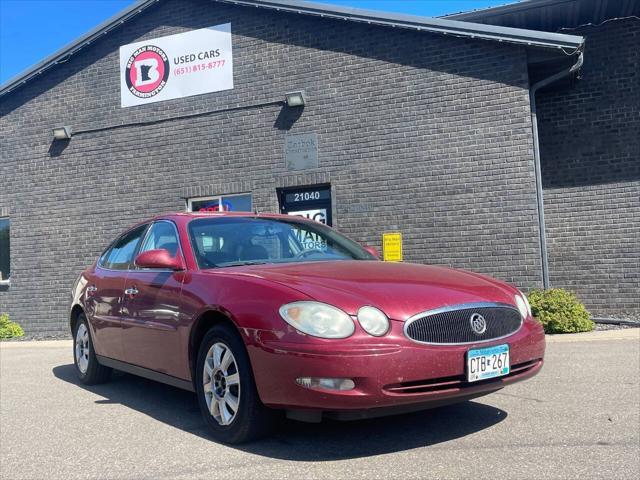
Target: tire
point(229, 383)
point(89, 371)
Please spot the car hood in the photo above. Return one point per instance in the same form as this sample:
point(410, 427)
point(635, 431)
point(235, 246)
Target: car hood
point(399, 289)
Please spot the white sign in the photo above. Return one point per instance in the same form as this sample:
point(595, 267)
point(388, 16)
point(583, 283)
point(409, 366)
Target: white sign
point(192, 63)
point(309, 240)
point(319, 215)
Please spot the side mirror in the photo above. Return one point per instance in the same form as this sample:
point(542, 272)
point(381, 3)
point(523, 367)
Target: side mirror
point(159, 258)
point(373, 251)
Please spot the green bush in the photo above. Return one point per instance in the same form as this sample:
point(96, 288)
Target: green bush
point(9, 329)
point(559, 311)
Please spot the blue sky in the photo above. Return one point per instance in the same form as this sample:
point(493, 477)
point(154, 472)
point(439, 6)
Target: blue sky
point(30, 30)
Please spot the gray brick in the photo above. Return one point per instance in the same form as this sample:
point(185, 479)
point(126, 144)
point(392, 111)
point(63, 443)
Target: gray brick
point(590, 138)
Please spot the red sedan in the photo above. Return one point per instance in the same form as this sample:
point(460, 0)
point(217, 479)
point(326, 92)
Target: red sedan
point(261, 313)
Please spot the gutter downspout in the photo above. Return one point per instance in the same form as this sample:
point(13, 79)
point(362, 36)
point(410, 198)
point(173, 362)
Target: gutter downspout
point(536, 156)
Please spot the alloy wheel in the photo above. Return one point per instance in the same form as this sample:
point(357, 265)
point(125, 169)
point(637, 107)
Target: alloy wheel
point(221, 382)
point(82, 348)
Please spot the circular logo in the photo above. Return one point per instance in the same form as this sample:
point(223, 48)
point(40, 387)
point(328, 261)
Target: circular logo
point(147, 71)
point(478, 324)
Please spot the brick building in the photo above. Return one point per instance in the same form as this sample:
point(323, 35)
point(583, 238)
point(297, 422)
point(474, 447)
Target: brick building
point(590, 149)
point(417, 125)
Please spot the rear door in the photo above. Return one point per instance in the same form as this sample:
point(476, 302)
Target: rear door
point(105, 293)
point(151, 309)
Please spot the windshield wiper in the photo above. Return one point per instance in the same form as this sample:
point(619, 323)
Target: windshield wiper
point(241, 263)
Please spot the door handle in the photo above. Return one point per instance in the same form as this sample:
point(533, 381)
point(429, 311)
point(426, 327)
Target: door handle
point(131, 291)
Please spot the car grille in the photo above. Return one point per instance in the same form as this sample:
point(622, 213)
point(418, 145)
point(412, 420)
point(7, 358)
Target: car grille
point(453, 324)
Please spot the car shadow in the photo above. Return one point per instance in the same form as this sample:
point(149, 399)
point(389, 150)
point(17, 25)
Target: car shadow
point(296, 441)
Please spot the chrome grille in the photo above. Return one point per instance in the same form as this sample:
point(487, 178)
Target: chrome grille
point(453, 325)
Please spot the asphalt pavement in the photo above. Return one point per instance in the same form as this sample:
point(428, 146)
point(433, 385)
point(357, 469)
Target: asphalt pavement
point(579, 418)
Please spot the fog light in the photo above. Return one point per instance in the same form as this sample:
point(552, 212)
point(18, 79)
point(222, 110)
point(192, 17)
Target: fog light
point(326, 383)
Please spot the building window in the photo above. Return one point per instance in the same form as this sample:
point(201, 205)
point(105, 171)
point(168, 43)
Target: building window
point(223, 203)
point(5, 259)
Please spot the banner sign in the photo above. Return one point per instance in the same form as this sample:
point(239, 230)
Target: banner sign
point(176, 66)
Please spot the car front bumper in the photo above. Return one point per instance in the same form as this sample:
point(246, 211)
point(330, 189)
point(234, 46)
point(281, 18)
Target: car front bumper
point(391, 375)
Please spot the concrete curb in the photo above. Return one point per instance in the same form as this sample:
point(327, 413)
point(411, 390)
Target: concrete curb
point(36, 344)
point(595, 336)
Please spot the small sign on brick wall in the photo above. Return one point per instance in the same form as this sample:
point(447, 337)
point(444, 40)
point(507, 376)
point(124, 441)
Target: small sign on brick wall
point(392, 247)
point(301, 151)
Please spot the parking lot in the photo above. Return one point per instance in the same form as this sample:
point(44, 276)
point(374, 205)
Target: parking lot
point(578, 418)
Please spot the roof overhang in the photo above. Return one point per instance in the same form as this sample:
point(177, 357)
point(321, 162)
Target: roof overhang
point(551, 15)
point(528, 38)
point(427, 24)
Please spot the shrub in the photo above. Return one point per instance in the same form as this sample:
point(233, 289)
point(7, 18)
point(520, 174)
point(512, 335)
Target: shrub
point(559, 311)
point(9, 329)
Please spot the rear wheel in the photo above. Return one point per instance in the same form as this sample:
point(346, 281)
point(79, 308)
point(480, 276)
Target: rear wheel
point(226, 389)
point(88, 369)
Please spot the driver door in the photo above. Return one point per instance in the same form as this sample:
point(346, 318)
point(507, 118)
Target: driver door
point(151, 308)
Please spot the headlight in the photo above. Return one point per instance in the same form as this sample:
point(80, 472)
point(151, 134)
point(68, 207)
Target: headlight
point(523, 305)
point(318, 319)
point(374, 321)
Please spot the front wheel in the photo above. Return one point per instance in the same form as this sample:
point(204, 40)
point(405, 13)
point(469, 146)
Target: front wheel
point(227, 394)
point(89, 371)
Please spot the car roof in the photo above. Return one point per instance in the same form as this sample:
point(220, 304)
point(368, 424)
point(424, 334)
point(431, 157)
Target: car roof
point(174, 215)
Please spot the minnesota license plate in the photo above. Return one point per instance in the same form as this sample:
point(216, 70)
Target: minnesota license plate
point(484, 363)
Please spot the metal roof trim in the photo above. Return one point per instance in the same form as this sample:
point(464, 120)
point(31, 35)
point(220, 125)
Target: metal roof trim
point(435, 25)
point(504, 9)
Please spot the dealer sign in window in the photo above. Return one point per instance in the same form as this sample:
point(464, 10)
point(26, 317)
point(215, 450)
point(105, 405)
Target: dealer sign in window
point(309, 240)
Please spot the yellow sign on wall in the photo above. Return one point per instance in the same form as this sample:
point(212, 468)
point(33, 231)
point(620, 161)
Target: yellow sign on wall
point(392, 247)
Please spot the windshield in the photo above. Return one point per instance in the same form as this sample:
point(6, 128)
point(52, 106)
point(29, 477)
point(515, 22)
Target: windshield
point(227, 242)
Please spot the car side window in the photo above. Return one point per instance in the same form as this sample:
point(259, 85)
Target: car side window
point(120, 256)
point(162, 235)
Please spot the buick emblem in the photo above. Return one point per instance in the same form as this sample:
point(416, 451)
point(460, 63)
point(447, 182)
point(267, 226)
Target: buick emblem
point(478, 324)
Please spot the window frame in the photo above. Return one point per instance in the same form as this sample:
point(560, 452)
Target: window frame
point(7, 281)
point(146, 236)
point(107, 251)
point(217, 197)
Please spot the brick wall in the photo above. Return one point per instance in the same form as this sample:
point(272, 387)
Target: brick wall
point(420, 133)
point(590, 151)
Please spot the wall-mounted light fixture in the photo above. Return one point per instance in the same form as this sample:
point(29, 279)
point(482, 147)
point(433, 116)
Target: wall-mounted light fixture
point(295, 99)
point(62, 133)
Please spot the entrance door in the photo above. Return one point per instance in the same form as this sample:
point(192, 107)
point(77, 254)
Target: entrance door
point(309, 202)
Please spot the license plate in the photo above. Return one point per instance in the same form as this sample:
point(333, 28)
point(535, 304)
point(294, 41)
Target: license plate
point(484, 363)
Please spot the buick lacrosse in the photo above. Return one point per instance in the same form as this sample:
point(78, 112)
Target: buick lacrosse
point(264, 313)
